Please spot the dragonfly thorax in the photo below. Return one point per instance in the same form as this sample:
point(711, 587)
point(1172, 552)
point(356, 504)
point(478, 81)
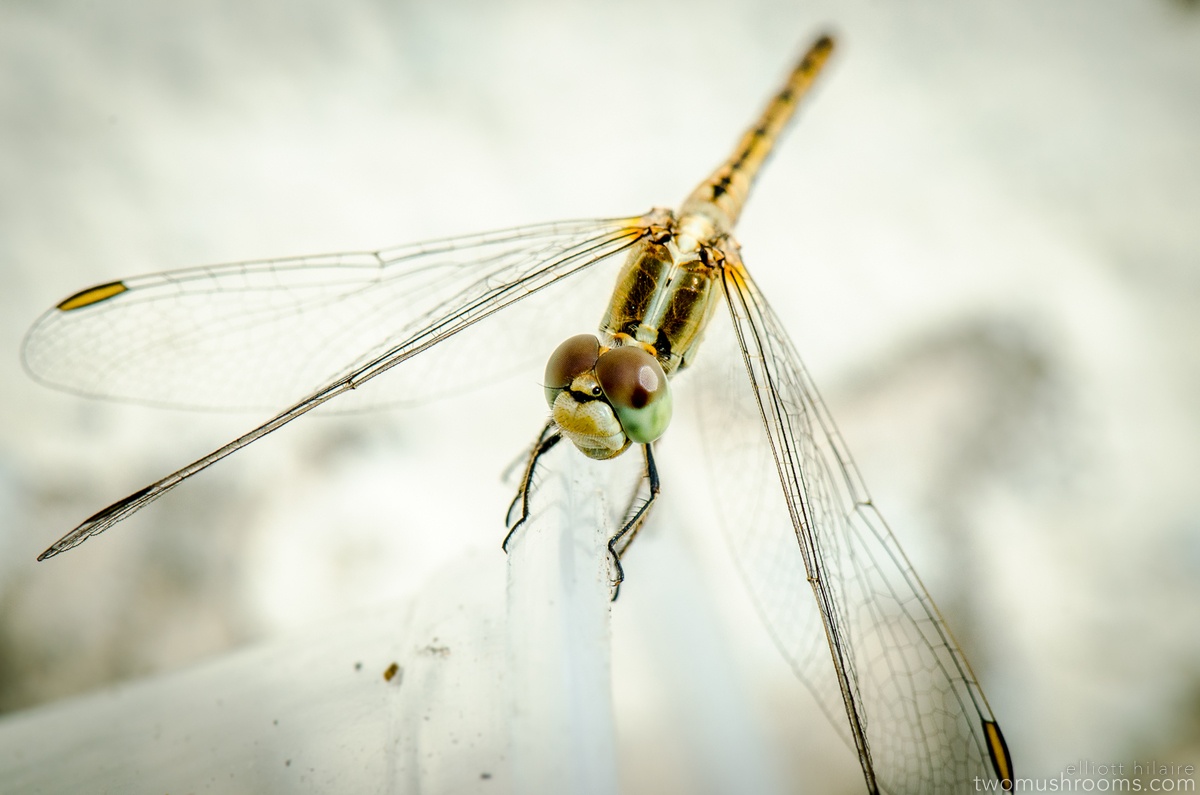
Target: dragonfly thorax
point(666, 294)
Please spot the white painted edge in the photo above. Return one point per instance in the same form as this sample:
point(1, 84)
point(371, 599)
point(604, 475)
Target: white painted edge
point(559, 638)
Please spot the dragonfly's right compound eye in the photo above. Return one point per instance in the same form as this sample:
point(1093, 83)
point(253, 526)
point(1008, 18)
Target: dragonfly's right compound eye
point(573, 358)
point(636, 386)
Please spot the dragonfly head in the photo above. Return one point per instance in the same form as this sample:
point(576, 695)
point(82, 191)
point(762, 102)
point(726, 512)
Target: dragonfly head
point(604, 399)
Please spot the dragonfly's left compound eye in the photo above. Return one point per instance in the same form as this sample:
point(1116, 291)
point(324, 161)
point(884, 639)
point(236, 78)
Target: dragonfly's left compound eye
point(571, 359)
point(636, 386)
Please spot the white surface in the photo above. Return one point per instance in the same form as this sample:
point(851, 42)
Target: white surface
point(307, 713)
point(560, 676)
point(981, 235)
point(481, 701)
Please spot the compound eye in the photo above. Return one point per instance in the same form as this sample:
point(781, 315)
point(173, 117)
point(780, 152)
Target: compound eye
point(571, 359)
point(635, 384)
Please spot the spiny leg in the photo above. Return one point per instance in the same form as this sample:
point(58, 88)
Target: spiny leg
point(546, 440)
point(629, 531)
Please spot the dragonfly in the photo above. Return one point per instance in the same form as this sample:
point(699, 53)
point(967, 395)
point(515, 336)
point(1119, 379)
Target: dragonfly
point(838, 595)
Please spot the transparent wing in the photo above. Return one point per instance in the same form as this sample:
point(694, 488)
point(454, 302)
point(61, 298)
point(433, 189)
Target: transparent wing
point(871, 646)
point(262, 335)
point(435, 291)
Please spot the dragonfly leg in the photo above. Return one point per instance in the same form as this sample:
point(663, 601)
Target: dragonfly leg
point(546, 440)
point(619, 543)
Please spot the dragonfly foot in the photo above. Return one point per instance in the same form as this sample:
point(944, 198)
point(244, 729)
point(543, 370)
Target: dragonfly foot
point(620, 577)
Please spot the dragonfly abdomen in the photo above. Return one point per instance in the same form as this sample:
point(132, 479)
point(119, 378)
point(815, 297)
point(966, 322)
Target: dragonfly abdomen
point(722, 196)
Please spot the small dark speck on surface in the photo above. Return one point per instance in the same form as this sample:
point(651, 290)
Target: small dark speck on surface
point(287, 763)
point(392, 671)
point(358, 666)
point(485, 776)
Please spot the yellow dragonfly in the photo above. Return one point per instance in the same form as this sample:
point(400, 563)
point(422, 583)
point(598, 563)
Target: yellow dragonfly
point(838, 595)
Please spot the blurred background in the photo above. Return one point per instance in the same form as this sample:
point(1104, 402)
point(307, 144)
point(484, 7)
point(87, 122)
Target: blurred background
point(982, 235)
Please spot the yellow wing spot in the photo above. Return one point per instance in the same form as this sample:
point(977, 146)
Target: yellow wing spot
point(93, 295)
point(998, 749)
